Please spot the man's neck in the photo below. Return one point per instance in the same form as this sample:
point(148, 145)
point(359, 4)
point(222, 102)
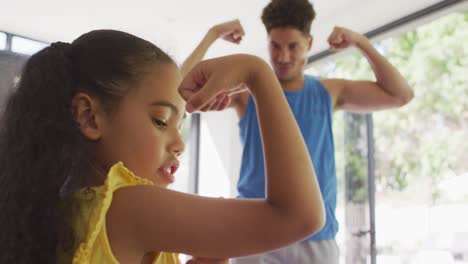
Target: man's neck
point(294, 84)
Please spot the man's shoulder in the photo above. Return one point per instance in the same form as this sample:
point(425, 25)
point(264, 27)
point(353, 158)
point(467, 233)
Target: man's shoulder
point(241, 98)
point(239, 103)
point(332, 85)
point(327, 84)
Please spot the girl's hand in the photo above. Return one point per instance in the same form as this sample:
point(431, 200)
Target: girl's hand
point(210, 84)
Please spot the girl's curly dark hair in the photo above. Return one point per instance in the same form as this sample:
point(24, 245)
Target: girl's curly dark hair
point(297, 14)
point(43, 156)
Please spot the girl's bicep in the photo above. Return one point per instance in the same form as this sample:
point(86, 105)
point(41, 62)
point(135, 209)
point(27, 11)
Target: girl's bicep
point(164, 220)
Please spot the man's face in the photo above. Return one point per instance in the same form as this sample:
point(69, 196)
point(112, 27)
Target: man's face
point(288, 49)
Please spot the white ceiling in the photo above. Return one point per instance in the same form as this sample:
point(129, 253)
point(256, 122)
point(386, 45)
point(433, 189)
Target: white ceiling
point(177, 25)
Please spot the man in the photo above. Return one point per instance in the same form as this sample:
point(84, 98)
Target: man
point(313, 102)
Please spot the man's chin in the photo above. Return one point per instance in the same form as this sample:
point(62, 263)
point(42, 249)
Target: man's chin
point(284, 77)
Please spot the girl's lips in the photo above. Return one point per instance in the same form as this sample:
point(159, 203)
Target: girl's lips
point(167, 176)
point(169, 170)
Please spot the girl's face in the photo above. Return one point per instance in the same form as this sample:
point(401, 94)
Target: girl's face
point(143, 132)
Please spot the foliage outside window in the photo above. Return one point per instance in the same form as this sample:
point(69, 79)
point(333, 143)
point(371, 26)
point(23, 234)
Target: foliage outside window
point(421, 149)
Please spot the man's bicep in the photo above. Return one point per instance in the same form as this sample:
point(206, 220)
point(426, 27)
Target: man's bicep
point(364, 96)
point(334, 88)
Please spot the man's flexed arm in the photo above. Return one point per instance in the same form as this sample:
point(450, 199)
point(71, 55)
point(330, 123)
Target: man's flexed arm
point(388, 91)
point(231, 31)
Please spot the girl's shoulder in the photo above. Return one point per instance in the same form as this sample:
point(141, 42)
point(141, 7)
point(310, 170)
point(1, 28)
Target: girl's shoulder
point(89, 217)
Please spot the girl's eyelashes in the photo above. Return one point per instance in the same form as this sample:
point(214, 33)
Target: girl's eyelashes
point(159, 123)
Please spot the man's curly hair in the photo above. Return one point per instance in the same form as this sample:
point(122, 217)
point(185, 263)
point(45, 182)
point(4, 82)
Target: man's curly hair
point(297, 14)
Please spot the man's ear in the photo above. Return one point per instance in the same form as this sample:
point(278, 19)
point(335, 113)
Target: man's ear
point(88, 115)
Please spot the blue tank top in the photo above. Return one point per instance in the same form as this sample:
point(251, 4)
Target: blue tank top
point(312, 108)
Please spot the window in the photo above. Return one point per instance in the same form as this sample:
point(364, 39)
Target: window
point(215, 159)
point(3, 39)
point(26, 46)
point(420, 149)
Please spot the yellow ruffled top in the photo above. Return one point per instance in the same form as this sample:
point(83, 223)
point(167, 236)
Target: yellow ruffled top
point(89, 219)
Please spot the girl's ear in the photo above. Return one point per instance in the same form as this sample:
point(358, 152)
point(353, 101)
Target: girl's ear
point(89, 116)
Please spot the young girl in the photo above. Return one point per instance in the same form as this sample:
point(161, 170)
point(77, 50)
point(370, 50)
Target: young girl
point(90, 138)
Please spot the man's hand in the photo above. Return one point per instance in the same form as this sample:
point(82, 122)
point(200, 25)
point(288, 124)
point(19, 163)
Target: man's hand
point(231, 31)
point(342, 38)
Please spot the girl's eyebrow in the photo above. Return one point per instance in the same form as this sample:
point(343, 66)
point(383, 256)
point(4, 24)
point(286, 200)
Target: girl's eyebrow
point(166, 104)
point(170, 105)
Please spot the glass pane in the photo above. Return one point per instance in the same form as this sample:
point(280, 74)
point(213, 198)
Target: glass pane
point(26, 46)
point(3, 38)
point(421, 149)
point(338, 137)
point(10, 69)
point(214, 178)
